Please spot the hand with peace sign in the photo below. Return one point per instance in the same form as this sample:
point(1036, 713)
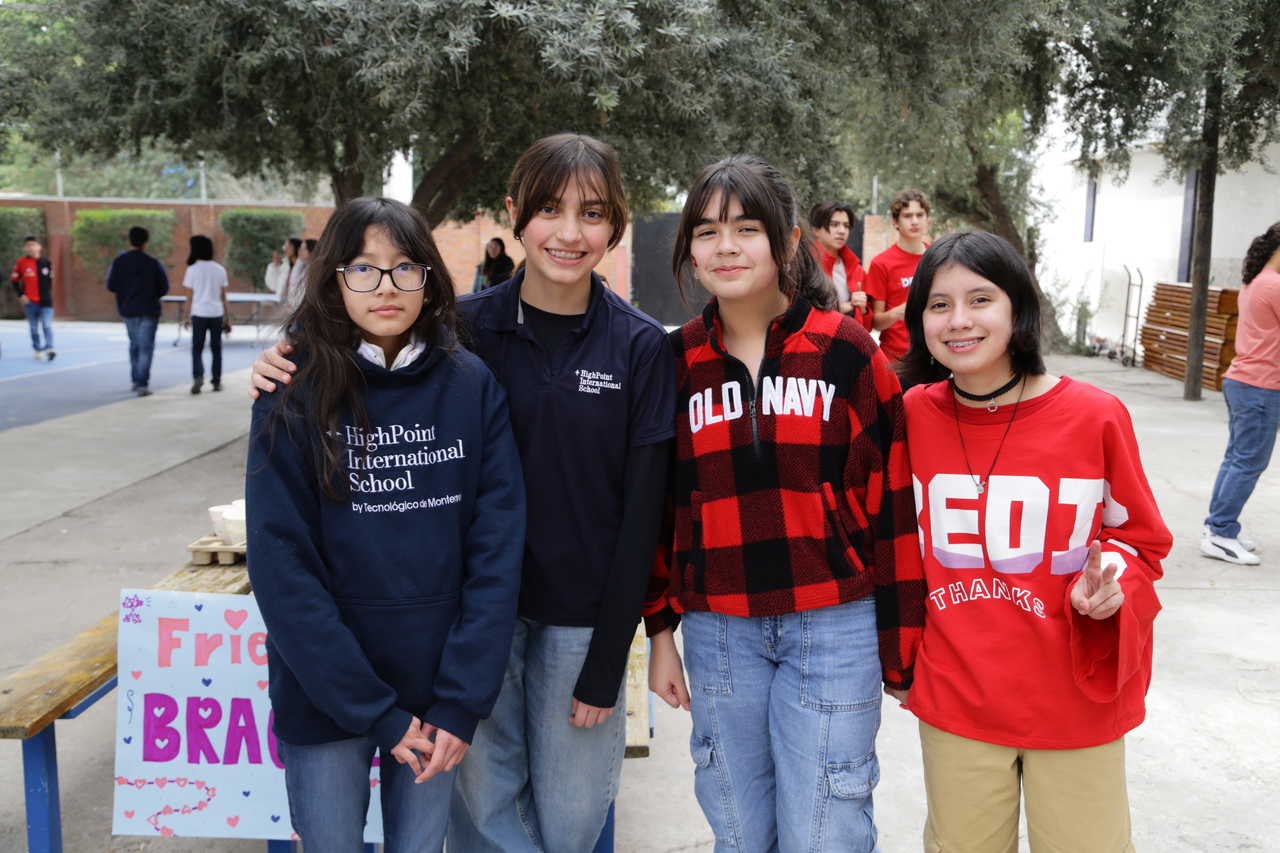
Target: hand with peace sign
point(1097, 594)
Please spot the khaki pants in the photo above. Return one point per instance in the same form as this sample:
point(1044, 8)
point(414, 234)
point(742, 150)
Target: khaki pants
point(1077, 799)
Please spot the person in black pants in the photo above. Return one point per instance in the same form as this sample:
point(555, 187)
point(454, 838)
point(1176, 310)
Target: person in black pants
point(210, 313)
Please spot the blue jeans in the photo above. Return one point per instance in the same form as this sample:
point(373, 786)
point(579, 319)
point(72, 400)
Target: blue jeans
point(328, 787)
point(142, 346)
point(785, 715)
point(40, 316)
point(1255, 414)
point(212, 326)
point(531, 781)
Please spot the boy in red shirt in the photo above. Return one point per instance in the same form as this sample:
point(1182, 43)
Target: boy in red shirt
point(832, 222)
point(33, 280)
point(892, 270)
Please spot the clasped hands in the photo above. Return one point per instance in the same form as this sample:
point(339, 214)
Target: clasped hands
point(441, 750)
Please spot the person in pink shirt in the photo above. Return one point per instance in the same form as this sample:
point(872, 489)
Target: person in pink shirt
point(1252, 388)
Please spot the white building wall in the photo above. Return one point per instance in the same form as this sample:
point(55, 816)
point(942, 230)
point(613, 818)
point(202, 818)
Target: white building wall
point(1138, 223)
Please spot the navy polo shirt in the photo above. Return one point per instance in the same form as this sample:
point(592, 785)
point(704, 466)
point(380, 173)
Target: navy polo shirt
point(610, 385)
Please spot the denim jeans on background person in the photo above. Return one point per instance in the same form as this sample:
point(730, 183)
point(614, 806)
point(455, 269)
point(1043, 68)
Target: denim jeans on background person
point(38, 317)
point(531, 781)
point(200, 326)
point(785, 714)
point(328, 787)
point(1255, 415)
point(142, 346)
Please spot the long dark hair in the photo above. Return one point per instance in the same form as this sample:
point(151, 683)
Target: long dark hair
point(765, 196)
point(1260, 251)
point(296, 243)
point(998, 262)
point(329, 383)
point(489, 262)
point(201, 249)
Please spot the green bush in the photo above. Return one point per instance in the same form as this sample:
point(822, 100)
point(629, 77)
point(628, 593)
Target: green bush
point(16, 223)
point(97, 236)
point(252, 235)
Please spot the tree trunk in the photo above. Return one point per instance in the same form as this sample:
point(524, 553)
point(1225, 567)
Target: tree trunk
point(1202, 238)
point(444, 183)
point(348, 182)
point(987, 185)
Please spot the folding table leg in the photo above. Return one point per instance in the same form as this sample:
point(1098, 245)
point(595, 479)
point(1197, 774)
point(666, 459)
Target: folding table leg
point(44, 810)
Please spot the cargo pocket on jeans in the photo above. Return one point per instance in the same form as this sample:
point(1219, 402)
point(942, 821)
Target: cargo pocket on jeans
point(713, 793)
point(854, 780)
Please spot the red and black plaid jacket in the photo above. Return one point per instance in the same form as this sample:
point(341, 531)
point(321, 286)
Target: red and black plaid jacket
point(794, 493)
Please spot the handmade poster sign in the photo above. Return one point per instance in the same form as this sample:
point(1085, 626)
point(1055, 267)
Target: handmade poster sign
point(195, 755)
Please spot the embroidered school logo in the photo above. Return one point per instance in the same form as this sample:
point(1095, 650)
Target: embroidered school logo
point(595, 382)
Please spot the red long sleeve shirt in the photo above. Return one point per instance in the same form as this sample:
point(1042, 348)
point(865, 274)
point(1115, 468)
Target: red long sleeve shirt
point(1005, 658)
point(793, 492)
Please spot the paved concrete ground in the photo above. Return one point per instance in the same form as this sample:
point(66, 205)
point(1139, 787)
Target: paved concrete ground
point(108, 497)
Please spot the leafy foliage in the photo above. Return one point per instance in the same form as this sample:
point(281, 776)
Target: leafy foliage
point(337, 88)
point(97, 236)
point(252, 235)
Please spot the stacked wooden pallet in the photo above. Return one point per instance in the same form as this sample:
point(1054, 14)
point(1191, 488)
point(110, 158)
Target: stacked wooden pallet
point(1164, 332)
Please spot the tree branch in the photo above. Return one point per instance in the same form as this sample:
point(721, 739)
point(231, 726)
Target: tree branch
point(444, 183)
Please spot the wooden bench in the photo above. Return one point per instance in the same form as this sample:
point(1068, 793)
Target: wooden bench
point(65, 682)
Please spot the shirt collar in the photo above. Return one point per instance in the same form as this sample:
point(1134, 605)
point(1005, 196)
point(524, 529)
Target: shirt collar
point(407, 355)
point(510, 313)
point(781, 327)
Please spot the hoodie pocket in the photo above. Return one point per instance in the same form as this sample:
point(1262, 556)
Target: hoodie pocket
point(404, 641)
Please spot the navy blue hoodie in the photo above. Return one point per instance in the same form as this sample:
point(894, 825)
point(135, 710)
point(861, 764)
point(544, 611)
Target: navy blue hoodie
point(138, 280)
point(399, 600)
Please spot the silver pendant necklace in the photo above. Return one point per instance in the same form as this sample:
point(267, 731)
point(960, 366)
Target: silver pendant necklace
point(981, 485)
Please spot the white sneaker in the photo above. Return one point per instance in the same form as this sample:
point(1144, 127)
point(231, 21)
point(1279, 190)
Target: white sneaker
point(1231, 550)
point(1247, 544)
point(39, 355)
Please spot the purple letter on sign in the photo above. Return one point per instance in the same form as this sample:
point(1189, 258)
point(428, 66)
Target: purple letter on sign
point(202, 714)
point(242, 728)
point(160, 741)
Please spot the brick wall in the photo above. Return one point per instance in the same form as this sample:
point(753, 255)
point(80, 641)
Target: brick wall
point(878, 235)
point(81, 295)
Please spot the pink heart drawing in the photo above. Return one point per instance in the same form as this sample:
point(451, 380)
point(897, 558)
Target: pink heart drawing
point(373, 783)
point(166, 831)
point(262, 685)
point(198, 784)
point(235, 618)
point(167, 810)
point(182, 783)
point(293, 836)
point(140, 783)
point(201, 806)
point(161, 782)
point(136, 673)
point(186, 809)
point(129, 813)
point(232, 821)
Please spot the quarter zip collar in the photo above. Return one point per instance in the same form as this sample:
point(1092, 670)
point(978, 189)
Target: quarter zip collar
point(781, 328)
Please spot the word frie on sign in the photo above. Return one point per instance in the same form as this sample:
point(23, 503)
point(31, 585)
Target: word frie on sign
point(195, 753)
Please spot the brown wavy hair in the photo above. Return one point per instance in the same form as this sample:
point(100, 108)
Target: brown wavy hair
point(903, 200)
point(1260, 251)
point(329, 385)
point(766, 196)
point(547, 167)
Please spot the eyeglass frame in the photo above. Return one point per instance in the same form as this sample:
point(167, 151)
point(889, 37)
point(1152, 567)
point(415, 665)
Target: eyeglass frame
point(342, 272)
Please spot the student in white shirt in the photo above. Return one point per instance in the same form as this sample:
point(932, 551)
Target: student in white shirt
point(210, 314)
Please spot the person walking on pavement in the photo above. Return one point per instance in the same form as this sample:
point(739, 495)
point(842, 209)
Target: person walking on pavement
point(138, 280)
point(210, 314)
point(33, 279)
point(1251, 387)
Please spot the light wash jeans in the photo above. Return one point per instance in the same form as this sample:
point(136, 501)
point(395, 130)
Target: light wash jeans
point(40, 317)
point(328, 786)
point(785, 715)
point(142, 346)
point(531, 781)
point(1255, 415)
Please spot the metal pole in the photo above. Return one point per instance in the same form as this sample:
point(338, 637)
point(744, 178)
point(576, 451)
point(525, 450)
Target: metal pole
point(57, 169)
point(204, 186)
point(44, 810)
point(875, 194)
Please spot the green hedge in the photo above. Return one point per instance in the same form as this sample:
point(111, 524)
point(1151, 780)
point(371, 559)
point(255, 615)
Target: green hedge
point(252, 235)
point(97, 236)
point(16, 224)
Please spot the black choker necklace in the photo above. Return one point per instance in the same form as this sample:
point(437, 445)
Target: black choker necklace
point(989, 399)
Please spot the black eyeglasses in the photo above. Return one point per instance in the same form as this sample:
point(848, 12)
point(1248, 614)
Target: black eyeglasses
point(362, 278)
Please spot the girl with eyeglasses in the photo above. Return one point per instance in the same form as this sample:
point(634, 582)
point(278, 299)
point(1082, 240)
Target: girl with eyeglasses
point(386, 530)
